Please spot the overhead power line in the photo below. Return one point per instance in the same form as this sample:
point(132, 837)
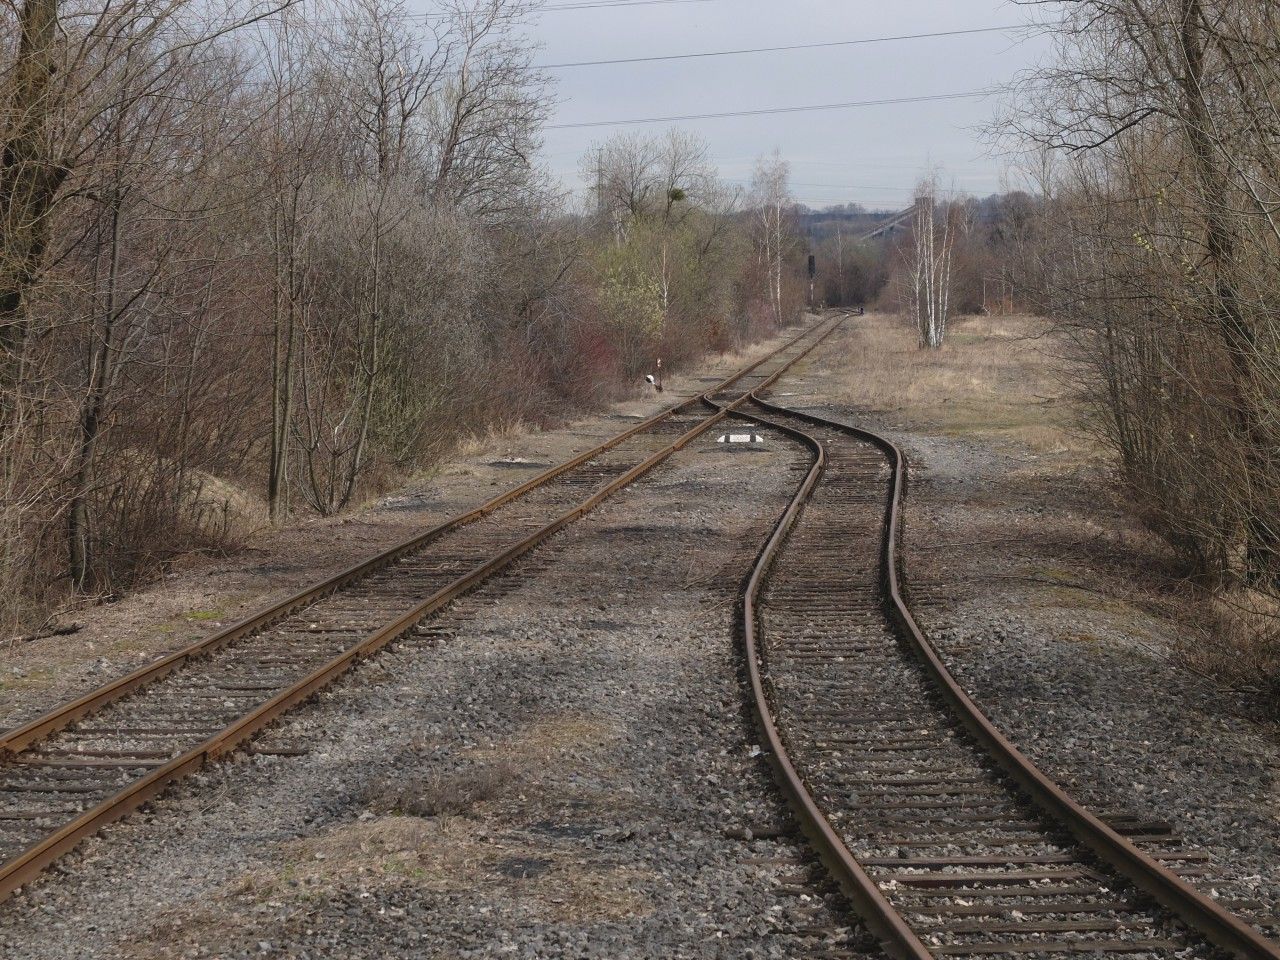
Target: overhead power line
point(545, 8)
point(793, 46)
point(770, 110)
point(582, 5)
point(606, 4)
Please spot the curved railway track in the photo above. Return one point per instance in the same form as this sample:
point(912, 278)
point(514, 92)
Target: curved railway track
point(948, 840)
point(92, 760)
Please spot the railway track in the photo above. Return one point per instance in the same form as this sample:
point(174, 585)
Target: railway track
point(90, 761)
point(948, 841)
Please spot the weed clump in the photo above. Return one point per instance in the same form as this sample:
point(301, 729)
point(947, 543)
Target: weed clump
point(439, 793)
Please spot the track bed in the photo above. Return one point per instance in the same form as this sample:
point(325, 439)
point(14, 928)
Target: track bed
point(945, 843)
point(91, 761)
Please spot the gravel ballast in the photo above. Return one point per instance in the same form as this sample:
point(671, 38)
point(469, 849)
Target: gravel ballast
point(560, 766)
point(197, 595)
point(1030, 581)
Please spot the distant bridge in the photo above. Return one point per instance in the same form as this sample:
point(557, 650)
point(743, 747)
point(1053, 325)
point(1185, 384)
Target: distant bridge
point(890, 225)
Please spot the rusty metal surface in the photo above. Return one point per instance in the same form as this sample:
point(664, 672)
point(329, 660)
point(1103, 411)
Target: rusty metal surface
point(842, 630)
point(875, 910)
point(57, 718)
point(232, 688)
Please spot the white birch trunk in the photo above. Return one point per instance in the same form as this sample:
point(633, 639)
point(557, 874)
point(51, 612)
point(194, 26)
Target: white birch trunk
point(931, 267)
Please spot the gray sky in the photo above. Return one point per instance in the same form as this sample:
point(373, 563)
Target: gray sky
point(871, 155)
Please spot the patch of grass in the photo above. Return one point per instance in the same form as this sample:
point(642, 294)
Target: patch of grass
point(562, 732)
point(133, 644)
point(31, 677)
point(440, 793)
point(1236, 640)
point(994, 377)
point(1070, 597)
point(170, 629)
point(1084, 639)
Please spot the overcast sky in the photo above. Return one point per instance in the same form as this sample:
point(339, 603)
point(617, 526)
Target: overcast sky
point(871, 155)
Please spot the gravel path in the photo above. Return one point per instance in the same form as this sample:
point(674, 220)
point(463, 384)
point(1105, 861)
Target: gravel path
point(560, 766)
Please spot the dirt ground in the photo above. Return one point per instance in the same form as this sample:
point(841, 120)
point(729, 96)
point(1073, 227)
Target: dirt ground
point(996, 379)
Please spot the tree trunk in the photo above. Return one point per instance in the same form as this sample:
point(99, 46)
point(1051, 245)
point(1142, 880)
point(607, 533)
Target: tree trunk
point(370, 352)
point(1234, 329)
point(30, 179)
point(80, 553)
point(282, 337)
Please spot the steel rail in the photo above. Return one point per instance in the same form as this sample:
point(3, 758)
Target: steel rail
point(35, 859)
point(876, 911)
point(63, 715)
point(1200, 912)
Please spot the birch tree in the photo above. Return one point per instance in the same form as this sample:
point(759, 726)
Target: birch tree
point(933, 241)
point(771, 196)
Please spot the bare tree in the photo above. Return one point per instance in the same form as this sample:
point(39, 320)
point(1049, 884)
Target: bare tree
point(486, 115)
point(253, 248)
point(74, 66)
point(771, 195)
point(1162, 113)
point(295, 149)
point(933, 240)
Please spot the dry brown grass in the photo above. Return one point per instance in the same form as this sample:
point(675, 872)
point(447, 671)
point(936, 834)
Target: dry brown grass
point(439, 855)
point(441, 793)
point(1236, 641)
point(995, 377)
point(1003, 381)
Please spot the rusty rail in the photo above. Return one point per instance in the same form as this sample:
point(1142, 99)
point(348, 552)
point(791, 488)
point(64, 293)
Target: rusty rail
point(61, 716)
point(1200, 912)
point(879, 915)
point(34, 859)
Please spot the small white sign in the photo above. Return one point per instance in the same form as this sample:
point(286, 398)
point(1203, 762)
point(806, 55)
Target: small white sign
point(740, 438)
